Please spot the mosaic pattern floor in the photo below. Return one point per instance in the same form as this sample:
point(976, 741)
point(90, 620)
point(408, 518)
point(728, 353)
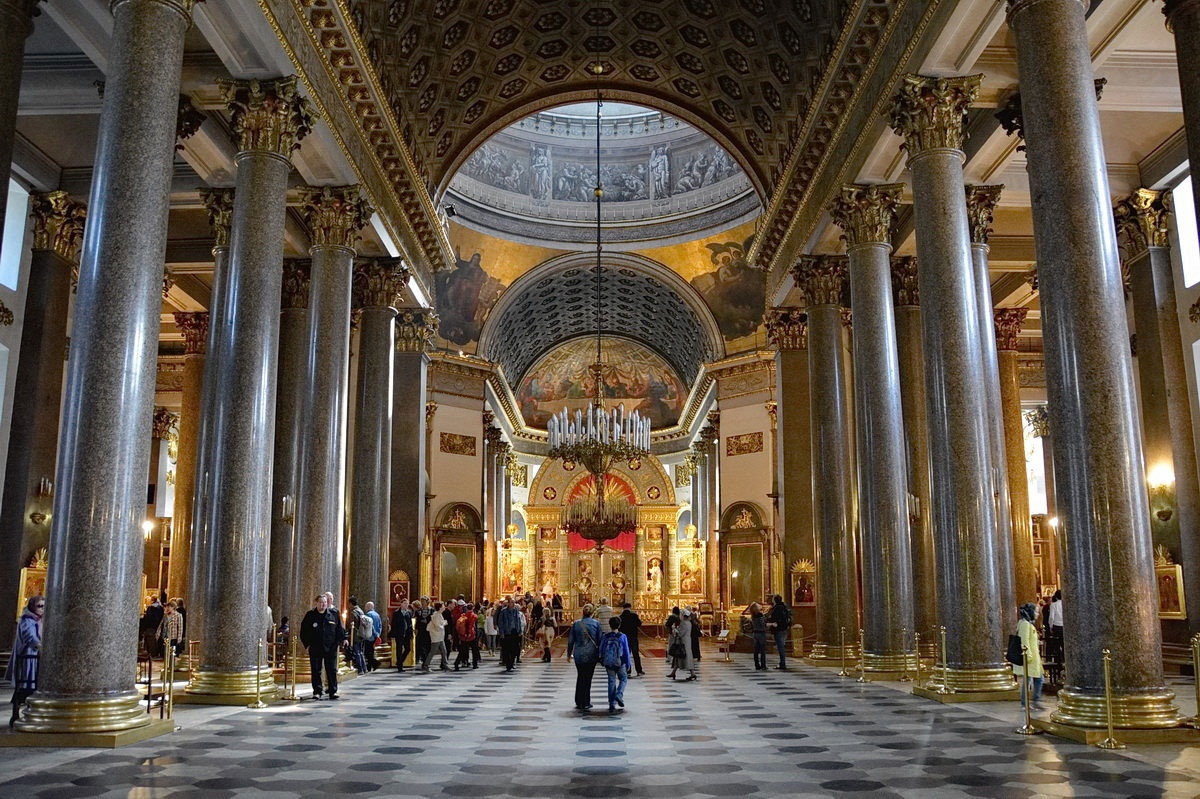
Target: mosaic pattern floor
point(736, 732)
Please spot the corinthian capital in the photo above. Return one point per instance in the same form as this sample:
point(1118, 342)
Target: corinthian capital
point(335, 215)
point(821, 278)
point(930, 113)
point(787, 328)
point(379, 282)
point(1012, 114)
point(296, 273)
point(981, 208)
point(904, 280)
point(866, 214)
point(163, 422)
point(1141, 219)
point(1008, 326)
point(194, 326)
point(415, 328)
point(269, 116)
point(219, 204)
point(57, 223)
point(1175, 10)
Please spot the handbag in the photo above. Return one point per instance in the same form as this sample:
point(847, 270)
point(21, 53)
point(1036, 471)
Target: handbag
point(1014, 654)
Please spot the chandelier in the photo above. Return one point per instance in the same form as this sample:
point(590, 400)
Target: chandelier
point(598, 438)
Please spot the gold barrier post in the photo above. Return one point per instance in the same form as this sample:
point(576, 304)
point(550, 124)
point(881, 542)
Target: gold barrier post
point(1195, 720)
point(904, 675)
point(1027, 696)
point(917, 644)
point(171, 684)
point(862, 665)
point(842, 641)
point(290, 666)
point(258, 704)
point(945, 686)
point(1110, 742)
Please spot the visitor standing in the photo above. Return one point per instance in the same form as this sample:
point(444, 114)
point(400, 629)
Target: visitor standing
point(436, 626)
point(468, 643)
point(546, 635)
point(1054, 631)
point(603, 613)
point(377, 628)
point(170, 629)
point(422, 611)
point(23, 662)
point(631, 625)
point(151, 618)
point(1029, 660)
point(679, 646)
point(758, 629)
point(489, 629)
point(779, 621)
point(508, 627)
point(583, 643)
point(322, 634)
point(615, 657)
point(401, 632)
point(697, 629)
point(361, 628)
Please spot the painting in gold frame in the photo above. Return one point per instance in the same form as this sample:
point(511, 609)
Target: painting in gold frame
point(1169, 578)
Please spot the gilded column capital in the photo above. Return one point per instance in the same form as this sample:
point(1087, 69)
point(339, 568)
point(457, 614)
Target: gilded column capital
point(1031, 277)
point(194, 327)
point(168, 282)
point(379, 282)
point(904, 280)
point(787, 328)
point(1142, 222)
point(163, 422)
point(296, 273)
point(848, 318)
point(1174, 10)
point(219, 205)
point(1038, 420)
point(821, 278)
point(415, 329)
point(269, 116)
point(931, 113)
point(866, 214)
point(188, 120)
point(430, 411)
point(335, 215)
point(1008, 326)
point(981, 208)
point(57, 223)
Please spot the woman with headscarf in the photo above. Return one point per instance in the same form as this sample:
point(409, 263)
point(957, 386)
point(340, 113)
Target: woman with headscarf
point(23, 663)
point(1031, 664)
point(679, 646)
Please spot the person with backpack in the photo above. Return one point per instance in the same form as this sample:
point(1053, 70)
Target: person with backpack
point(779, 621)
point(362, 629)
point(468, 638)
point(758, 629)
point(617, 661)
point(583, 643)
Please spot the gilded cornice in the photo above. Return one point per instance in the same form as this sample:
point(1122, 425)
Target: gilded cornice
point(1008, 326)
point(1142, 222)
point(332, 59)
point(981, 208)
point(415, 329)
point(335, 215)
point(57, 223)
point(787, 328)
point(194, 327)
point(269, 116)
point(904, 280)
point(296, 273)
point(931, 113)
point(379, 282)
point(821, 279)
point(163, 422)
point(866, 214)
point(219, 204)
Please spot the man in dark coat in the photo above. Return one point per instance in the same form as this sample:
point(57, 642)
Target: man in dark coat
point(631, 623)
point(322, 634)
point(402, 631)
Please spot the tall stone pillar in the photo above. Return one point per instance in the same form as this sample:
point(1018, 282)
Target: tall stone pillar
point(1166, 411)
point(919, 503)
point(1008, 323)
point(377, 287)
point(289, 411)
point(16, 23)
point(86, 680)
point(269, 119)
point(787, 330)
point(929, 113)
point(1183, 20)
point(714, 582)
point(335, 216)
point(981, 205)
point(37, 393)
point(194, 326)
point(1101, 489)
point(821, 278)
point(866, 215)
point(415, 328)
point(1038, 420)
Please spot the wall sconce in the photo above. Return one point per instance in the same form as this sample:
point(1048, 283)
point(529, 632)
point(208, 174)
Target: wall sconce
point(147, 529)
point(1161, 481)
point(288, 509)
point(1053, 522)
point(37, 518)
point(45, 487)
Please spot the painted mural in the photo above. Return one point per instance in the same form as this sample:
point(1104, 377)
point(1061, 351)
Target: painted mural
point(635, 377)
point(465, 294)
point(734, 290)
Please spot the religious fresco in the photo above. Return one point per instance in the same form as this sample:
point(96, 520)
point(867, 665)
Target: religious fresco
point(735, 291)
point(465, 295)
point(635, 378)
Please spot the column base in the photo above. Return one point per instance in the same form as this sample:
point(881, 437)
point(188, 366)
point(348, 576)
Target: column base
point(383, 653)
point(1093, 735)
point(210, 687)
point(58, 714)
point(878, 664)
point(105, 740)
point(1150, 710)
point(831, 655)
point(931, 692)
point(974, 680)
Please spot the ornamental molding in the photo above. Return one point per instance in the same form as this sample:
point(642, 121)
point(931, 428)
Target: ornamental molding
point(335, 215)
point(1143, 221)
point(1008, 327)
point(194, 327)
point(931, 113)
point(163, 422)
point(981, 208)
point(379, 282)
point(58, 223)
point(296, 274)
point(866, 214)
point(219, 205)
point(904, 280)
point(821, 279)
point(787, 328)
point(268, 116)
point(415, 329)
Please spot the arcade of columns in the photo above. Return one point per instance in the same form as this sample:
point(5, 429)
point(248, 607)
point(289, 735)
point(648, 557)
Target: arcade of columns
point(932, 500)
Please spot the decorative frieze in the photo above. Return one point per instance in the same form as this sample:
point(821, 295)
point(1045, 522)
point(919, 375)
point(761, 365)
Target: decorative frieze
point(787, 328)
point(1142, 222)
point(821, 278)
point(981, 209)
point(415, 329)
point(457, 444)
point(335, 215)
point(743, 444)
point(219, 204)
point(57, 223)
point(296, 274)
point(1008, 326)
point(904, 280)
point(931, 113)
point(194, 327)
point(866, 214)
point(379, 282)
point(268, 115)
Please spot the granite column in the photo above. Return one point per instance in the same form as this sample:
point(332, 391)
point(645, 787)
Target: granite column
point(415, 328)
point(86, 680)
point(1008, 323)
point(1101, 489)
point(929, 113)
point(194, 326)
point(1183, 20)
point(16, 23)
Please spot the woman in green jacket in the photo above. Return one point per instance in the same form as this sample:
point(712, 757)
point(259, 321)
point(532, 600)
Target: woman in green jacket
point(1028, 634)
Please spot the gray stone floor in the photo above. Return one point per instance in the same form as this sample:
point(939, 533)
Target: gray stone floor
point(736, 732)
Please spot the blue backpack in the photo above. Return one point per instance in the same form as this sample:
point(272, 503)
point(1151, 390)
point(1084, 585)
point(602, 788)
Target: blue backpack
point(611, 651)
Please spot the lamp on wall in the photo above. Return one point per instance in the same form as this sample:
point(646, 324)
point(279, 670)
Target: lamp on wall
point(147, 529)
point(1161, 482)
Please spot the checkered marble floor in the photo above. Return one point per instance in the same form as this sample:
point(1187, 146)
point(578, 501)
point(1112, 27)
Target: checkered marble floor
point(484, 733)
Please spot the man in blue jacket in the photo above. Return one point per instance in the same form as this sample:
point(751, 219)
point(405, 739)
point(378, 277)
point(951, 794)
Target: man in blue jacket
point(583, 643)
point(508, 627)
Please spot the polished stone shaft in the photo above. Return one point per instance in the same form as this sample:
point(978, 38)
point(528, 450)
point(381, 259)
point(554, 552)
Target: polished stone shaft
point(195, 333)
point(16, 23)
point(1183, 18)
point(86, 677)
point(1101, 489)
point(407, 497)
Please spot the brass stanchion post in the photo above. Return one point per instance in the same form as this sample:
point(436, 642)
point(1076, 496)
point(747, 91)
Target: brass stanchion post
point(258, 704)
point(842, 641)
point(862, 666)
point(945, 686)
point(1027, 695)
point(1195, 720)
point(1110, 742)
point(917, 644)
point(904, 676)
point(171, 688)
point(291, 666)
